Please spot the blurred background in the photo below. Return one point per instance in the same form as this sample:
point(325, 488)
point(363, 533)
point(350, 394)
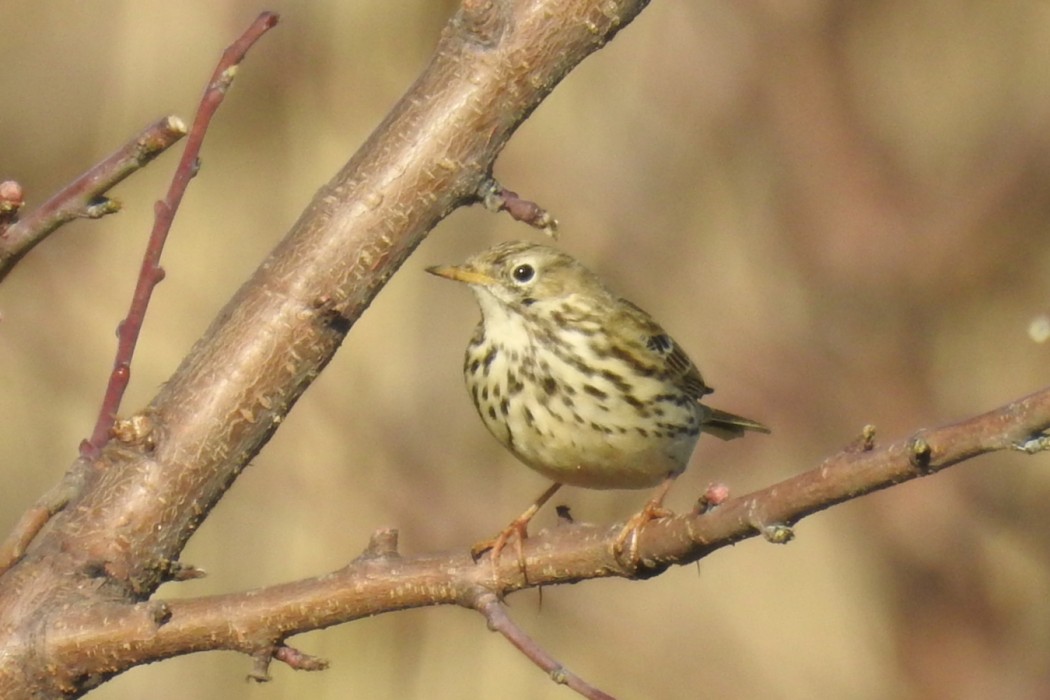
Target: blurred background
point(839, 209)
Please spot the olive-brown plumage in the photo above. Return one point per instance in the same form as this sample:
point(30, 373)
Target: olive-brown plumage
point(581, 385)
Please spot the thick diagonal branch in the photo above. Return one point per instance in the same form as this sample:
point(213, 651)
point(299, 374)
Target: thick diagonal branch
point(117, 541)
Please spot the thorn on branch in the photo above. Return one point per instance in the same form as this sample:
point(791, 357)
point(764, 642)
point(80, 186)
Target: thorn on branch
point(496, 198)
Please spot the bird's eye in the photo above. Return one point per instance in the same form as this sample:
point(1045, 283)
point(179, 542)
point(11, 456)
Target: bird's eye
point(523, 273)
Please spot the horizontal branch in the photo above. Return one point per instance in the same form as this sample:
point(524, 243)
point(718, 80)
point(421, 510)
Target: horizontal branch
point(380, 580)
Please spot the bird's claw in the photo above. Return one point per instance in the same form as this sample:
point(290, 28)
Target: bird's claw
point(633, 528)
point(496, 545)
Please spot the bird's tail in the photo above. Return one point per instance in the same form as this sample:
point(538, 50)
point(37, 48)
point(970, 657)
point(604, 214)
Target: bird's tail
point(729, 426)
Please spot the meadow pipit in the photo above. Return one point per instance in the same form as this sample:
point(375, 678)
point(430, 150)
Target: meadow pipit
point(581, 385)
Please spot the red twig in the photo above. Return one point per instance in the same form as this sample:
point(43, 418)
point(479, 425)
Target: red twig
point(151, 273)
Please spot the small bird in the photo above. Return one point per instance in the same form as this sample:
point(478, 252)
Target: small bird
point(578, 383)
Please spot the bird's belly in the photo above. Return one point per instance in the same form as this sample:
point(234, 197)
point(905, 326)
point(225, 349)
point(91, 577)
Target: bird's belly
point(579, 457)
point(599, 430)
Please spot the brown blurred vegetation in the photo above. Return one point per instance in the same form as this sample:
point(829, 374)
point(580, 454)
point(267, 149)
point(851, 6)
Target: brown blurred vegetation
point(839, 208)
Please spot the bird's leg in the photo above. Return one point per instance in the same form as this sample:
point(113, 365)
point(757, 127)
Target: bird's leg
point(517, 526)
point(653, 510)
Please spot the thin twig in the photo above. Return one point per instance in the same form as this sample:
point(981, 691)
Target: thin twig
point(488, 604)
point(495, 197)
point(76, 200)
point(83, 198)
point(151, 273)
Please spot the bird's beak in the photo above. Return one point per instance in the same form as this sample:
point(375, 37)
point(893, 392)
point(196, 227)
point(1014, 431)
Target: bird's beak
point(461, 274)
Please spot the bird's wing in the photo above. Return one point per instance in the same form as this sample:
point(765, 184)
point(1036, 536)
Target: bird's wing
point(664, 351)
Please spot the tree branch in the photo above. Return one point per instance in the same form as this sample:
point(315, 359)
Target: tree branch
point(136, 430)
point(83, 198)
point(77, 610)
point(121, 535)
point(151, 273)
point(380, 580)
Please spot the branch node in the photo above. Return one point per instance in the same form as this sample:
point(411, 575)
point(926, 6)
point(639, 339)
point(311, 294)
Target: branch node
point(381, 545)
point(12, 198)
point(101, 206)
point(716, 494)
point(178, 572)
point(483, 22)
point(298, 660)
point(260, 672)
point(159, 612)
point(136, 431)
point(920, 454)
point(559, 675)
point(865, 442)
point(496, 198)
point(1039, 443)
point(225, 79)
point(778, 534)
point(151, 144)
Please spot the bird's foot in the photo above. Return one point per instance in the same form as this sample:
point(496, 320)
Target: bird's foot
point(653, 510)
point(495, 546)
